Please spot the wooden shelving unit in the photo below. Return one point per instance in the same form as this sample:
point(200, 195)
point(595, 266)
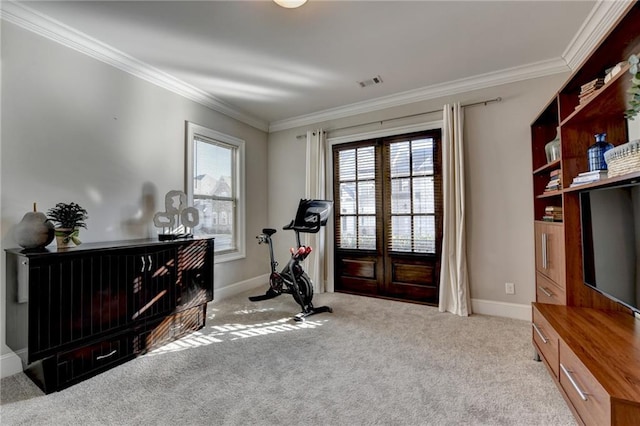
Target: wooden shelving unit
point(563, 300)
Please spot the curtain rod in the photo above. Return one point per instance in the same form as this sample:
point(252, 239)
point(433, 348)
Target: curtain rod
point(488, 101)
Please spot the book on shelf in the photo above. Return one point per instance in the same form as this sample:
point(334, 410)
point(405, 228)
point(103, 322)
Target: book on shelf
point(554, 173)
point(613, 71)
point(596, 82)
point(554, 184)
point(589, 90)
point(602, 173)
point(553, 209)
point(548, 218)
point(589, 177)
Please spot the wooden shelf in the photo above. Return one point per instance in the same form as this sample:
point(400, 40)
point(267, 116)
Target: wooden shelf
point(603, 183)
point(547, 167)
point(610, 100)
point(550, 194)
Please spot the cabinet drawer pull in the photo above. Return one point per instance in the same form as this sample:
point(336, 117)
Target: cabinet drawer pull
point(567, 373)
point(545, 262)
point(110, 354)
point(545, 291)
point(544, 339)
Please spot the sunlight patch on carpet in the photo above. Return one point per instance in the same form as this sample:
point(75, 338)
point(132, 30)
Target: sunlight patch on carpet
point(229, 332)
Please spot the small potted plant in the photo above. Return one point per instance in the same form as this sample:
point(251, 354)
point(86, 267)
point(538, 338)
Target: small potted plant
point(634, 90)
point(68, 218)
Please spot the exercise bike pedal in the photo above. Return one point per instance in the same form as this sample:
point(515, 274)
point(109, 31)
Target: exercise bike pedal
point(270, 294)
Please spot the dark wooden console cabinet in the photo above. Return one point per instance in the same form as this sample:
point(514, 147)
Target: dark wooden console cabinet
point(76, 312)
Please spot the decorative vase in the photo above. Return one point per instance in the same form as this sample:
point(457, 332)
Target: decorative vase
point(34, 230)
point(66, 237)
point(552, 149)
point(595, 153)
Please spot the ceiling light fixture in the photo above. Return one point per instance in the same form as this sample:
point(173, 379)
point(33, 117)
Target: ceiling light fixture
point(290, 4)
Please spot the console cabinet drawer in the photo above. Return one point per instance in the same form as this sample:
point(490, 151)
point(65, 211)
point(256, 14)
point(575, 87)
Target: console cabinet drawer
point(548, 292)
point(546, 341)
point(588, 397)
point(89, 360)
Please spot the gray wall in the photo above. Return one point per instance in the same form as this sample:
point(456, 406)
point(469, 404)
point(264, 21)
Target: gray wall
point(76, 129)
point(500, 242)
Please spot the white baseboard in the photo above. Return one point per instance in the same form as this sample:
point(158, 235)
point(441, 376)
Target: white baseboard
point(10, 364)
point(241, 287)
point(501, 309)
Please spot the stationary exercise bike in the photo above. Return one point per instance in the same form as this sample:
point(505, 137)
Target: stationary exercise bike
point(311, 215)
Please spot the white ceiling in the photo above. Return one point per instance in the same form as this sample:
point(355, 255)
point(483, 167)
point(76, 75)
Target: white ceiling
point(277, 65)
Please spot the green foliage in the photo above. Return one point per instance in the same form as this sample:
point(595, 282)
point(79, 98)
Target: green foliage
point(634, 91)
point(68, 215)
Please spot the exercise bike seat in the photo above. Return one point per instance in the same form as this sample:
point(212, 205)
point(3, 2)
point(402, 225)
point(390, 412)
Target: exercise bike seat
point(269, 231)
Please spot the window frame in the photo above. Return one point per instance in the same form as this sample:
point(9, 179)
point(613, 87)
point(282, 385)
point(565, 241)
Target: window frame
point(194, 131)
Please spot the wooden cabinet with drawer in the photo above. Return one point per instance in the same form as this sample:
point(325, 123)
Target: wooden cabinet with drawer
point(545, 339)
point(595, 363)
point(587, 396)
point(75, 312)
point(549, 292)
point(550, 259)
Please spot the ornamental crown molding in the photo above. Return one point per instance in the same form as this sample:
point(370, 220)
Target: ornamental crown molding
point(604, 15)
point(602, 18)
point(483, 81)
point(36, 22)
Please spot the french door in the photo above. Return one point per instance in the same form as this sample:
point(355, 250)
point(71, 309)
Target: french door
point(388, 217)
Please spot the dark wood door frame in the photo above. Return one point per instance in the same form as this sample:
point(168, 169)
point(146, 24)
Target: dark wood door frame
point(383, 272)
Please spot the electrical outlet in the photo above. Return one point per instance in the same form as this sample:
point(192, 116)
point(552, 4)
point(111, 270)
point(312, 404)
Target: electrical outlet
point(510, 288)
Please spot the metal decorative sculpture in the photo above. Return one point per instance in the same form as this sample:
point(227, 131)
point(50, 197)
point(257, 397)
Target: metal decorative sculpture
point(178, 220)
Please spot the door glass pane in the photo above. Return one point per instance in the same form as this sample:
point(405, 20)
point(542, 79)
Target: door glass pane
point(401, 233)
point(424, 234)
point(401, 196)
point(367, 197)
point(348, 198)
point(367, 232)
point(347, 168)
point(399, 159)
point(348, 232)
point(366, 163)
point(423, 194)
point(422, 156)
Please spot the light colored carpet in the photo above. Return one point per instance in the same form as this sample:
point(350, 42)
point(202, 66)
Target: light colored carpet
point(370, 362)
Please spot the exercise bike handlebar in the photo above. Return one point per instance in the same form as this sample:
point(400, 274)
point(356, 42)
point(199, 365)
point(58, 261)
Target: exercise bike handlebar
point(313, 218)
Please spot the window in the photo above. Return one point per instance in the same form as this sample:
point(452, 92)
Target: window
point(215, 186)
